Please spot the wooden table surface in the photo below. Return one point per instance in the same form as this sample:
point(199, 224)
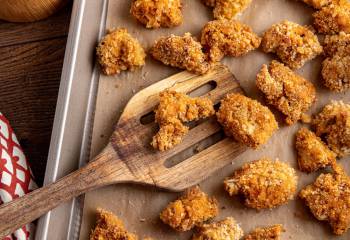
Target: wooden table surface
point(31, 58)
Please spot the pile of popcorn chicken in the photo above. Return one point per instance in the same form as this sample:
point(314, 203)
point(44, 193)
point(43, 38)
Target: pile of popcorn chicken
point(264, 183)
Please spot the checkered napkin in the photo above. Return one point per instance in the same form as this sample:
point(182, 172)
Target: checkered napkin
point(16, 178)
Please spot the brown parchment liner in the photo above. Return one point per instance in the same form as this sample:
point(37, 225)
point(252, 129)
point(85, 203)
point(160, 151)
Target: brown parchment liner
point(139, 206)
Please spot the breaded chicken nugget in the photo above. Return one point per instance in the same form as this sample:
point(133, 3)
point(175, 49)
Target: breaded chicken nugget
point(228, 37)
point(266, 233)
point(294, 44)
point(313, 154)
point(337, 44)
point(227, 229)
point(109, 227)
point(333, 19)
point(190, 210)
point(246, 120)
point(333, 125)
point(209, 3)
point(336, 67)
point(157, 13)
point(264, 183)
point(336, 72)
point(119, 51)
point(329, 200)
point(318, 4)
point(173, 110)
point(228, 9)
point(182, 52)
point(290, 93)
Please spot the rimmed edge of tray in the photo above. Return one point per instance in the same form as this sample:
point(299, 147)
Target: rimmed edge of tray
point(70, 139)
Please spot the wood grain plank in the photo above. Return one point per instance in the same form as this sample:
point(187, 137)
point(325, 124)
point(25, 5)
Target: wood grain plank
point(20, 33)
point(29, 83)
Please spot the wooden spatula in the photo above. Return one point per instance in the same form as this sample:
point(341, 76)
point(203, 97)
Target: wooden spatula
point(129, 157)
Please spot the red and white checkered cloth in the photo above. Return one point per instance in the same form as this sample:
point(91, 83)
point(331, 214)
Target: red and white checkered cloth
point(16, 178)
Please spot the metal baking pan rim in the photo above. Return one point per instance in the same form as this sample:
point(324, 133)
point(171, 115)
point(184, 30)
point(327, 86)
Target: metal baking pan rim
point(59, 125)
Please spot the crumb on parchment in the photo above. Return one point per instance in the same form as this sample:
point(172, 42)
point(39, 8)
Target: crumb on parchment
point(266, 233)
point(294, 44)
point(329, 199)
point(190, 210)
point(306, 118)
point(119, 51)
point(318, 4)
point(332, 125)
point(289, 92)
point(173, 110)
point(263, 183)
point(209, 3)
point(157, 13)
point(228, 9)
point(228, 37)
point(246, 120)
point(109, 227)
point(227, 229)
point(313, 154)
point(333, 19)
point(182, 52)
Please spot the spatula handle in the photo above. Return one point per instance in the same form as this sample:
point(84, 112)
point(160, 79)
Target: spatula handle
point(105, 169)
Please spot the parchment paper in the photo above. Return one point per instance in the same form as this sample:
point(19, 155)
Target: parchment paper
point(138, 206)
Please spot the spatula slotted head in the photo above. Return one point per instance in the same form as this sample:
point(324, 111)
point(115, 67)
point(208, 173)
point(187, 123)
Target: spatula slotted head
point(205, 148)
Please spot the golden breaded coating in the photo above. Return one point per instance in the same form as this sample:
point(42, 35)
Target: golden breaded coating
point(190, 210)
point(209, 3)
point(313, 154)
point(246, 120)
point(337, 44)
point(336, 72)
point(228, 37)
point(332, 124)
point(182, 52)
point(264, 183)
point(227, 229)
point(228, 9)
point(289, 92)
point(109, 227)
point(333, 19)
point(169, 135)
point(266, 233)
point(178, 105)
point(318, 4)
point(157, 13)
point(119, 51)
point(336, 67)
point(294, 44)
point(173, 110)
point(329, 200)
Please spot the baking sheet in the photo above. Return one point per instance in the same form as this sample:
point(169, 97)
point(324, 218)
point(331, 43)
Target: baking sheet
point(139, 206)
point(70, 140)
